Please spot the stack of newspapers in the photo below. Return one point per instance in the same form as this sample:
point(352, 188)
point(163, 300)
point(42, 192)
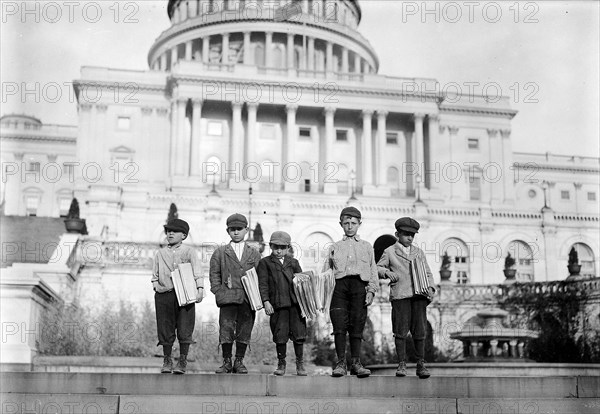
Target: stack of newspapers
point(419, 277)
point(250, 283)
point(184, 284)
point(314, 292)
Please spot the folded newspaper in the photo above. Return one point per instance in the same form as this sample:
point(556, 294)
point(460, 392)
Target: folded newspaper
point(184, 284)
point(314, 292)
point(419, 277)
point(250, 283)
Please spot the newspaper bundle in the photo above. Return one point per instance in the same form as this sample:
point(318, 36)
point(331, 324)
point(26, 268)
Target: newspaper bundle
point(314, 292)
point(419, 277)
point(250, 283)
point(184, 284)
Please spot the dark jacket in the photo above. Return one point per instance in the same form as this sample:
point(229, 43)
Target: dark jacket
point(226, 273)
point(272, 278)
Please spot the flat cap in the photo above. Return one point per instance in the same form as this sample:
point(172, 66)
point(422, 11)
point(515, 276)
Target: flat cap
point(178, 225)
point(237, 220)
point(281, 238)
point(351, 211)
point(407, 224)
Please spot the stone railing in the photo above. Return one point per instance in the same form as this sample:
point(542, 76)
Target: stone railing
point(495, 293)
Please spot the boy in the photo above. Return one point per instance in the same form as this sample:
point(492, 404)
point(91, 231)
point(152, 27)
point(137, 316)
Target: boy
point(409, 311)
point(275, 275)
point(236, 318)
point(353, 264)
point(170, 317)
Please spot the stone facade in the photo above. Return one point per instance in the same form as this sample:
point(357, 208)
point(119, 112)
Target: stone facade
point(285, 98)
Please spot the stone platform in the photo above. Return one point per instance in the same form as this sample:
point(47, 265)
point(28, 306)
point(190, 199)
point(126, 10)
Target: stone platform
point(43, 392)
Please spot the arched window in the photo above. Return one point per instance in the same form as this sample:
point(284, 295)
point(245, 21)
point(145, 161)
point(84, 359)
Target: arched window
point(523, 256)
point(213, 175)
point(342, 175)
point(278, 57)
point(259, 55)
point(459, 259)
point(586, 259)
point(298, 58)
point(393, 180)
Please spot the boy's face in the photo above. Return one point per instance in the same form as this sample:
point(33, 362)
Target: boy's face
point(405, 238)
point(175, 237)
point(279, 250)
point(350, 225)
point(237, 234)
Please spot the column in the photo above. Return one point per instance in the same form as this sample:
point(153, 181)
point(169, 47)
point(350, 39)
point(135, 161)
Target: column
point(455, 191)
point(507, 157)
point(329, 54)
point(268, 49)
point(251, 140)
point(188, 50)
point(495, 158)
point(236, 144)
point(345, 60)
point(174, 56)
point(356, 63)
point(163, 62)
point(419, 155)
point(327, 149)
point(174, 129)
point(205, 49)
point(183, 140)
point(195, 160)
point(290, 51)
point(311, 53)
point(365, 67)
point(433, 128)
point(225, 49)
point(366, 150)
point(380, 147)
point(290, 147)
point(247, 48)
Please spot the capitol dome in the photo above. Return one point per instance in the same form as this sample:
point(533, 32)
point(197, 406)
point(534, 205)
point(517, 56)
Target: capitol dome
point(310, 37)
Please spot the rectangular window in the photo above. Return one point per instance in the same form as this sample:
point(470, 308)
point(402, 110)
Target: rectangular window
point(341, 135)
point(31, 205)
point(214, 128)
point(123, 123)
point(475, 188)
point(462, 278)
point(591, 196)
point(267, 131)
point(565, 195)
point(307, 186)
point(34, 166)
point(304, 133)
point(63, 206)
point(391, 138)
point(473, 144)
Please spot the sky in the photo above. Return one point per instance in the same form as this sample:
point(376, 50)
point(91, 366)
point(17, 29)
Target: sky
point(543, 55)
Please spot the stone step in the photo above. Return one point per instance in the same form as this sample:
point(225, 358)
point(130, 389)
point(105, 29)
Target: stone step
point(156, 404)
point(257, 385)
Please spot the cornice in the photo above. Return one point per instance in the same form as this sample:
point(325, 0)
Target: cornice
point(550, 167)
point(175, 79)
point(38, 138)
point(478, 111)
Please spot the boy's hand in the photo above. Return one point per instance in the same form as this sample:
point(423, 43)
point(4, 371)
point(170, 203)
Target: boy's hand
point(199, 295)
point(269, 308)
point(392, 276)
point(369, 298)
point(431, 292)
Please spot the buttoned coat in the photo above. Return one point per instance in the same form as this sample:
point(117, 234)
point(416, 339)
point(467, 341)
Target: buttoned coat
point(270, 273)
point(394, 260)
point(226, 273)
